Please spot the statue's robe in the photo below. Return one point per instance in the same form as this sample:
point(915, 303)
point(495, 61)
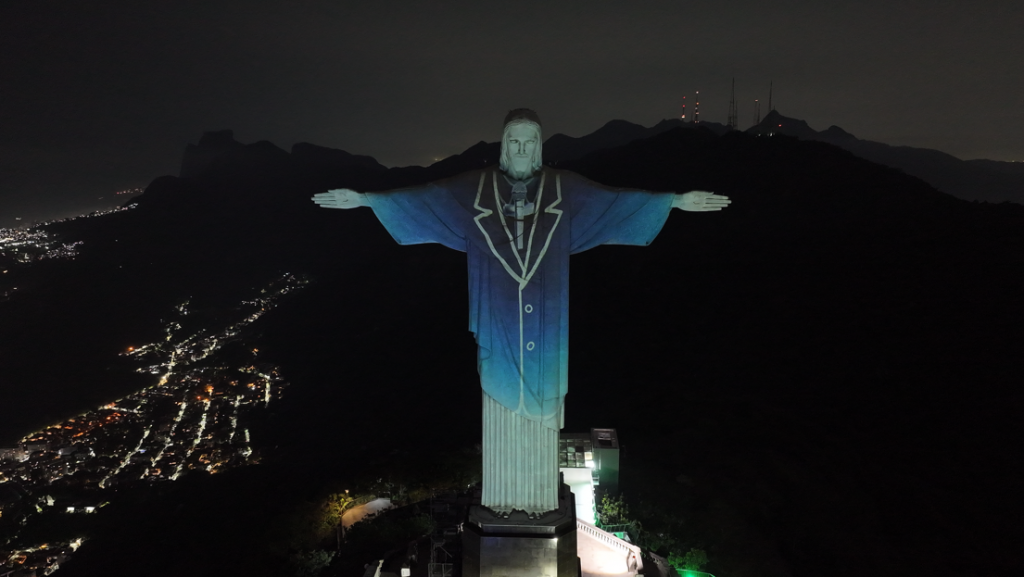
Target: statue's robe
point(519, 301)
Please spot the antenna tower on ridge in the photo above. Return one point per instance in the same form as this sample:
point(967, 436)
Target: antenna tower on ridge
point(696, 109)
point(757, 112)
point(683, 117)
point(732, 122)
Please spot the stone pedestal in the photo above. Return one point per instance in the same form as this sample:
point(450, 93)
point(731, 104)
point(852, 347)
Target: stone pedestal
point(518, 546)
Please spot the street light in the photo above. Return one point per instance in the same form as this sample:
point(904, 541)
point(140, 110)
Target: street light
point(339, 531)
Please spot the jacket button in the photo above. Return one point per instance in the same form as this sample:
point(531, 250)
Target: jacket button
point(529, 346)
point(528, 308)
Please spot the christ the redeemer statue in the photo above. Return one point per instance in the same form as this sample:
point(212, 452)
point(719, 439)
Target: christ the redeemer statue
point(518, 223)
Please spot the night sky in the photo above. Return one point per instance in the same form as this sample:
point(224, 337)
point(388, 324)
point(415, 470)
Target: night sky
point(104, 95)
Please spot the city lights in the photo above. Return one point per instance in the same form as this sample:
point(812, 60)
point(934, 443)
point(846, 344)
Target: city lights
point(189, 420)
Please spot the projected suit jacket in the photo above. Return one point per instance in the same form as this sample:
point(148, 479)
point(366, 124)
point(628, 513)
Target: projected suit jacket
point(519, 298)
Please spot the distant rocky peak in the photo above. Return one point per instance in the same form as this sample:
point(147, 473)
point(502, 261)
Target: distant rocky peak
point(219, 139)
point(198, 158)
point(619, 124)
point(775, 123)
point(332, 158)
point(836, 132)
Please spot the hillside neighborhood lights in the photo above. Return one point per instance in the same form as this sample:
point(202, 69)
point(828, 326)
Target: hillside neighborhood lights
point(34, 244)
point(189, 420)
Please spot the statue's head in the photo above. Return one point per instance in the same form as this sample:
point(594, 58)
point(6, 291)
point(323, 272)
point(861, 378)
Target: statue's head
point(521, 144)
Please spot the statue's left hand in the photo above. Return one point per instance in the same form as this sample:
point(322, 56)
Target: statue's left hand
point(700, 201)
point(340, 198)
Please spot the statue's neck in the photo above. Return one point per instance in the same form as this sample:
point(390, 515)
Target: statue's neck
point(511, 180)
point(513, 175)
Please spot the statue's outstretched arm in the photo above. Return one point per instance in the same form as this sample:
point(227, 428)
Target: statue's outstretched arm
point(340, 198)
point(700, 201)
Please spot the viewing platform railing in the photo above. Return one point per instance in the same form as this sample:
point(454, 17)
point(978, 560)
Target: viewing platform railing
point(611, 540)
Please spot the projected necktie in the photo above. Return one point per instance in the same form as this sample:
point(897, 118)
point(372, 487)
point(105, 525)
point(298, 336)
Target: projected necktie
point(519, 209)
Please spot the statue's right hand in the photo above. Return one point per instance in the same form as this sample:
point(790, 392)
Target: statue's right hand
point(340, 198)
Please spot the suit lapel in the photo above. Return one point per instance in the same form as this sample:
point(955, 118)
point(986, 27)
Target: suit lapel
point(485, 213)
point(553, 210)
point(526, 268)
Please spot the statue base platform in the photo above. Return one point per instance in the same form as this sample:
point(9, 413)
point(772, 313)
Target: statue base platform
point(518, 546)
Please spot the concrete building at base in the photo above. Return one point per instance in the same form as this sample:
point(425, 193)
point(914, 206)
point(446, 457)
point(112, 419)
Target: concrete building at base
point(589, 463)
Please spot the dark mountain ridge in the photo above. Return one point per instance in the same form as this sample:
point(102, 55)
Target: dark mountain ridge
point(218, 151)
point(814, 361)
point(559, 147)
point(982, 180)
